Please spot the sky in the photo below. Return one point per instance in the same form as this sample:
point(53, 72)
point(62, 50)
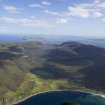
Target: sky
point(53, 17)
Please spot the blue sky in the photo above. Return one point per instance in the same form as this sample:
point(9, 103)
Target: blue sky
point(53, 17)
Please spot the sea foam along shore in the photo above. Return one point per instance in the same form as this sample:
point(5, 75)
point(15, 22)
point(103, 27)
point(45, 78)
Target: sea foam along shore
point(22, 100)
point(101, 95)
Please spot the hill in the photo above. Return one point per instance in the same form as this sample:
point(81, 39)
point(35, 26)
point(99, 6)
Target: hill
point(31, 67)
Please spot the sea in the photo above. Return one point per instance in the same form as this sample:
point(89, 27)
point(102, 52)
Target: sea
point(61, 97)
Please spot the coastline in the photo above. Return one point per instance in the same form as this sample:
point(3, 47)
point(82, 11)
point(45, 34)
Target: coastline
point(22, 100)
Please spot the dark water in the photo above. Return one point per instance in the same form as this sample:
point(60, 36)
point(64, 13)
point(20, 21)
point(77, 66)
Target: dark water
point(59, 97)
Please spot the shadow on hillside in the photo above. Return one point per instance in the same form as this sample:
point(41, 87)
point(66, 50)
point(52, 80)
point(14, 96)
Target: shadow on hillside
point(90, 57)
point(78, 56)
point(50, 72)
point(94, 77)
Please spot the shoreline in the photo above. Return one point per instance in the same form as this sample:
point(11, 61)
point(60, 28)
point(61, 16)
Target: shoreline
point(22, 100)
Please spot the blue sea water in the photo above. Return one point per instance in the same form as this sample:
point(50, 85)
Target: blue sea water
point(10, 38)
point(59, 97)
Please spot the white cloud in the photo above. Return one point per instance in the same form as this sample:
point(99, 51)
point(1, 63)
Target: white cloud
point(83, 10)
point(78, 11)
point(62, 21)
point(103, 19)
point(40, 5)
point(35, 6)
point(46, 3)
point(11, 9)
point(98, 14)
point(101, 5)
point(72, 11)
point(23, 22)
point(52, 13)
